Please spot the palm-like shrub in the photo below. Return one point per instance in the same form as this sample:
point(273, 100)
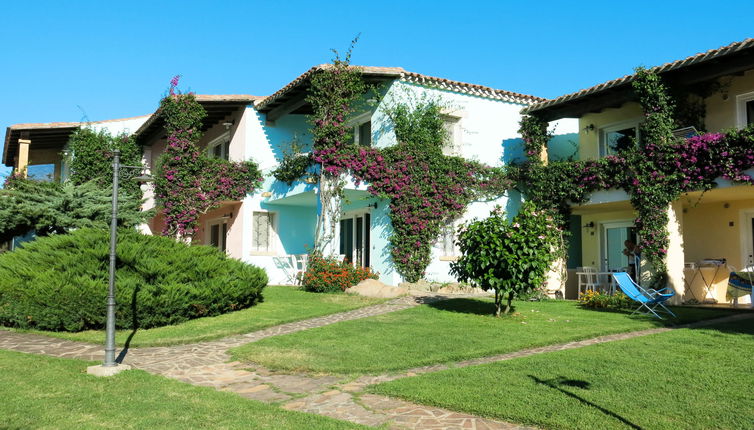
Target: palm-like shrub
point(60, 282)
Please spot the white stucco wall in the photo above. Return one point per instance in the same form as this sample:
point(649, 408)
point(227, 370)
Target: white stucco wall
point(120, 126)
point(483, 127)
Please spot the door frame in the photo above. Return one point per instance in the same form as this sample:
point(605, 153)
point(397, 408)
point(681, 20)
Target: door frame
point(223, 239)
point(366, 231)
point(604, 225)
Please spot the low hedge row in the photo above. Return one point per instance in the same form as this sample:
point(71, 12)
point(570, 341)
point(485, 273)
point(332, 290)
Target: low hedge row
point(60, 282)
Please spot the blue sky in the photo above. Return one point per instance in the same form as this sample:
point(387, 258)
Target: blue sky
point(64, 60)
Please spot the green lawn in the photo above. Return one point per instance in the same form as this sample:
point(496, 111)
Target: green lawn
point(684, 379)
point(446, 331)
point(281, 305)
point(55, 393)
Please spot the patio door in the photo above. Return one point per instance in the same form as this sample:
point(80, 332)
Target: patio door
point(218, 234)
point(615, 235)
point(355, 240)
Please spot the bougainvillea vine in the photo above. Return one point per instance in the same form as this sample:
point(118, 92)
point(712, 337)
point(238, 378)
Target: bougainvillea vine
point(189, 182)
point(426, 189)
point(654, 171)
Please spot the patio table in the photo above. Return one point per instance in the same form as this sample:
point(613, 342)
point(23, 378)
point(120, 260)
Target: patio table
point(708, 273)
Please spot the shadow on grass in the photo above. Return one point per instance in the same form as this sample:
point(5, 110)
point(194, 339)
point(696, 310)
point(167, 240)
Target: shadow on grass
point(467, 306)
point(556, 383)
point(134, 323)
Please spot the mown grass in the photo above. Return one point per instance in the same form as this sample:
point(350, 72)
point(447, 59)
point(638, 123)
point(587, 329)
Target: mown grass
point(444, 332)
point(684, 379)
point(281, 305)
point(55, 393)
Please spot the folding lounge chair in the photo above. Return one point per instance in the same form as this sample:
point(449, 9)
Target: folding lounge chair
point(649, 299)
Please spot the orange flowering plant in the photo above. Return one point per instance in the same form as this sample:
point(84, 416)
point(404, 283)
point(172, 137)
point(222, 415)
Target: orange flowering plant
point(329, 274)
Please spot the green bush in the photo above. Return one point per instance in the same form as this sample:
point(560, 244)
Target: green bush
point(60, 282)
point(510, 257)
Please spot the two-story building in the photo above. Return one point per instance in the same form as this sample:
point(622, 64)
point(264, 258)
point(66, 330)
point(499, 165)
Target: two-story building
point(279, 220)
point(714, 225)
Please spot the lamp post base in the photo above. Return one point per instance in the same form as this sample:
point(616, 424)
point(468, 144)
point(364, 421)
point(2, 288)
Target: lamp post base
point(100, 370)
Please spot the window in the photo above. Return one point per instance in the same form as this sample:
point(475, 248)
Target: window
point(262, 232)
point(618, 137)
point(218, 234)
point(41, 172)
point(362, 129)
point(220, 147)
point(446, 242)
point(745, 109)
point(452, 145)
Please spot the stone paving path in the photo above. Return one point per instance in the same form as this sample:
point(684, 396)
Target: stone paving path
point(206, 364)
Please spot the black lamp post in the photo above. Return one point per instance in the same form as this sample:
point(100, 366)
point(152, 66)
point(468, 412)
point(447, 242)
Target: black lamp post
point(109, 366)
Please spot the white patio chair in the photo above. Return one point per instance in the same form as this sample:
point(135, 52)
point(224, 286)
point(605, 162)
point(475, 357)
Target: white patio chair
point(588, 279)
point(300, 261)
point(287, 264)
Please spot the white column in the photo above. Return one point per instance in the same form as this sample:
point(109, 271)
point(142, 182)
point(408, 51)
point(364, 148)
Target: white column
point(675, 258)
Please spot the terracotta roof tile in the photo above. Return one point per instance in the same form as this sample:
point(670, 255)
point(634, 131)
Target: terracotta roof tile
point(401, 73)
point(674, 65)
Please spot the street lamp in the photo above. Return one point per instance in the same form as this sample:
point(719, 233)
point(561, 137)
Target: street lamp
point(109, 367)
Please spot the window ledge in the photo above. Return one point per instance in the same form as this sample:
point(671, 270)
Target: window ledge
point(448, 258)
point(264, 253)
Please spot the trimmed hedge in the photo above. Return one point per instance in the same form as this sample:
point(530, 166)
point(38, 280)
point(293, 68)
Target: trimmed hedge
point(60, 282)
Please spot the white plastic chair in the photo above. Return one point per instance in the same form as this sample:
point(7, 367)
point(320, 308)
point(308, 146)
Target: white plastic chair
point(587, 277)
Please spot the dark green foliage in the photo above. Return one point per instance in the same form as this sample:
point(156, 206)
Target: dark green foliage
point(510, 257)
point(292, 168)
point(534, 132)
point(420, 126)
point(60, 282)
point(52, 208)
point(91, 158)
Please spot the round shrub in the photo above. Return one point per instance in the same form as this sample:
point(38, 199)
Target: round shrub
point(60, 282)
point(329, 274)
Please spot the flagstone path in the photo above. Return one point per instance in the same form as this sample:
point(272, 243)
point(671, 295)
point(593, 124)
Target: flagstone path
point(206, 364)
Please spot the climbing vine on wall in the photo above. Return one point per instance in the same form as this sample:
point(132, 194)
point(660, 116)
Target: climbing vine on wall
point(189, 182)
point(333, 92)
point(654, 171)
point(426, 189)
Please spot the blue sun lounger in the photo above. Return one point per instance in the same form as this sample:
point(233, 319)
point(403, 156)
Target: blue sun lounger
point(649, 299)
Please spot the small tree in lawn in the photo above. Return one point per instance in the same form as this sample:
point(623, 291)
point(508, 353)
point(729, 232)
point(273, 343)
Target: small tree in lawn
point(510, 257)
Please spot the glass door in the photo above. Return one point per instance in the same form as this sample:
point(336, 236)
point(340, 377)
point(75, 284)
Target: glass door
point(218, 234)
point(355, 240)
point(619, 248)
point(346, 238)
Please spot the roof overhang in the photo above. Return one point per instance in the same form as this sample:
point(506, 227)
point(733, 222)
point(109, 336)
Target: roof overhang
point(732, 59)
point(42, 136)
point(218, 108)
point(291, 99)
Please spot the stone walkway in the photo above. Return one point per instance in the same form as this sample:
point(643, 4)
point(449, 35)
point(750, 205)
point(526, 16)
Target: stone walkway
point(206, 364)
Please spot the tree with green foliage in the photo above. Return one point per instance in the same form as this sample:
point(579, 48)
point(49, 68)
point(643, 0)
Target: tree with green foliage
point(52, 208)
point(90, 157)
point(510, 257)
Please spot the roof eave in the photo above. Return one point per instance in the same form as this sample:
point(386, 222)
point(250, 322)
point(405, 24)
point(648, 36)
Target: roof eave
point(733, 53)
